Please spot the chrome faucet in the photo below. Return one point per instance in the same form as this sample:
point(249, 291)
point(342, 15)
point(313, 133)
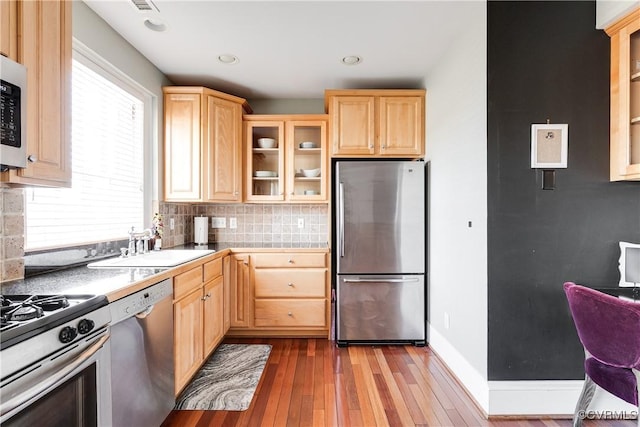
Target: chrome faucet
point(139, 241)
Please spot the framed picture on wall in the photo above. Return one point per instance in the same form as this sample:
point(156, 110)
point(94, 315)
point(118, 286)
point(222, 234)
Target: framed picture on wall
point(549, 145)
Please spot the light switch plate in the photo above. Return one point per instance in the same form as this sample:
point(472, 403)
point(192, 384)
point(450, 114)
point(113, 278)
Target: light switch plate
point(233, 223)
point(218, 222)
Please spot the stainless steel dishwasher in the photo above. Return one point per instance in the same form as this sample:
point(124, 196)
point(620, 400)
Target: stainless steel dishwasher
point(142, 367)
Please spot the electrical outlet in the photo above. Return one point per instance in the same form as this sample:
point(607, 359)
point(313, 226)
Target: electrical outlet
point(172, 223)
point(218, 222)
point(233, 223)
point(300, 222)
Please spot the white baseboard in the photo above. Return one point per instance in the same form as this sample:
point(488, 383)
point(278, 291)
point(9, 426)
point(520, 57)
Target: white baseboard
point(545, 398)
point(469, 377)
point(524, 398)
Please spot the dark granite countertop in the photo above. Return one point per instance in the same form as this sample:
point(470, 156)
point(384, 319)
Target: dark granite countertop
point(79, 280)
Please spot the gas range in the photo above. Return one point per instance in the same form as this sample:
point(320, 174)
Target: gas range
point(26, 316)
point(48, 340)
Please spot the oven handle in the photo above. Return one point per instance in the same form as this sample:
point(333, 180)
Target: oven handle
point(54, 380)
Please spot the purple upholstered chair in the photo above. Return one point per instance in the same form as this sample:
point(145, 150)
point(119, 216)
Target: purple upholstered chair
point(609, 330)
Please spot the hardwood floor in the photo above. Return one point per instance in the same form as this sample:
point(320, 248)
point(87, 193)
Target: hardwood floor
point(311, 382)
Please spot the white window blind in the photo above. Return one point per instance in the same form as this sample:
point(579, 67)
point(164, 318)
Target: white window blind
point(106, 197)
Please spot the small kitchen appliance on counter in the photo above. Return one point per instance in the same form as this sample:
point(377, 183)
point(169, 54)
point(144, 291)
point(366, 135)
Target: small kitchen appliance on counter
point(380, 257)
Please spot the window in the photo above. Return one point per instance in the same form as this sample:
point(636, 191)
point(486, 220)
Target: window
point(108, 140)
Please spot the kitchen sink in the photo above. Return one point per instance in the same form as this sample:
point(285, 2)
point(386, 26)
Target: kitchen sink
point(163, 258)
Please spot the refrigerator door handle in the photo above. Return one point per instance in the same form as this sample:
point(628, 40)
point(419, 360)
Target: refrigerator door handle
point(341, 219)
point(409, 280)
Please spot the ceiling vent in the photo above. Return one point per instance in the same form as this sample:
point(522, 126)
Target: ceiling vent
point(145, 5)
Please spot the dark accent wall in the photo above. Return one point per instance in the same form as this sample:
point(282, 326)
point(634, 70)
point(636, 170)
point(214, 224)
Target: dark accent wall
point(546, 60)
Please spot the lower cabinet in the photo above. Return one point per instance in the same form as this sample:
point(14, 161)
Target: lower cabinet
point(280, 294)
point(198, 310)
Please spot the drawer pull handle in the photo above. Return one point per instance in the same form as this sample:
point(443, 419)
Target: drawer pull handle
point(290, 314)
point(290, 285)
point(290, 261)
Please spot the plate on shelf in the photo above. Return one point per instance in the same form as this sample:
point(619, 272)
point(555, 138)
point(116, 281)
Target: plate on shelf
point(265, 174)
point(308, 144)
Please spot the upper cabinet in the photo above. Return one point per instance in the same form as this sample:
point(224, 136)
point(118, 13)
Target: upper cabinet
point(286, 158)
point(202, 145)
point(372, 123)
point(37, 33)
point(625, 98)
point(9, 29)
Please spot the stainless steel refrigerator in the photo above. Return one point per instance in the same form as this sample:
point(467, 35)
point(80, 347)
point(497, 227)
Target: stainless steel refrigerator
point(380, 258)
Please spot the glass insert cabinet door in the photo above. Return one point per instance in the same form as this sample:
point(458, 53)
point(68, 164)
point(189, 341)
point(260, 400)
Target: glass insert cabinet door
point(306, 160)
point(286, 159)
point(265, 160)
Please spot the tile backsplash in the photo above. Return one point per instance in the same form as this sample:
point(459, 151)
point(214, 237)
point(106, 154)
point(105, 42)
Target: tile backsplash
point(272, 223)
point(11, 234)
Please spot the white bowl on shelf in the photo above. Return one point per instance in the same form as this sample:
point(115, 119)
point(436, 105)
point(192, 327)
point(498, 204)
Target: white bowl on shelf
point(311, 173)
point(308, 144)
point(265, 174)
point(310, 192)
point(267, 143)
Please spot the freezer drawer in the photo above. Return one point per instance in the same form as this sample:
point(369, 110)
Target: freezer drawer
point(380, 309)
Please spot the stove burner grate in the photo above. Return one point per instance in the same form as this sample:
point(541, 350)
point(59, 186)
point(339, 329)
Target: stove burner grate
point(30, 308)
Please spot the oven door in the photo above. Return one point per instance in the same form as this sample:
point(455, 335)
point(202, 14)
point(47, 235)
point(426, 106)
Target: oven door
point(68, 389)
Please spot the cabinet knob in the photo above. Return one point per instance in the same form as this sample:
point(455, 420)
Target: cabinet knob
point(290, 261)
point(208, 295)
point(292, 193)
point(31, 158)
point(236, 193)
point(370, 146)
point(246, 263)
point(384, 147)
point(290, 314)
point(290, 285)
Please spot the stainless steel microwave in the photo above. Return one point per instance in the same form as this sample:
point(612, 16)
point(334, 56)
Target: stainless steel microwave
point(13, 114)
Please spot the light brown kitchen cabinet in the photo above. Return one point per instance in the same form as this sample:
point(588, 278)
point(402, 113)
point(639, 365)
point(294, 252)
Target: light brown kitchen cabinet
point(295, 170)
point(240, 295)
point(198, 318)
point(625, 98)
point(43, 46)
point(376, 123)
point(202, 145)
point(288, 295)
point(9, 28)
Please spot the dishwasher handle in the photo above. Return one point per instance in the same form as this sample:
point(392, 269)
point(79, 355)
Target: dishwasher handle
point(144, 313)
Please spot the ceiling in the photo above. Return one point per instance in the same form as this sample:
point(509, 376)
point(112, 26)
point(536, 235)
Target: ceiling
point(290, 49)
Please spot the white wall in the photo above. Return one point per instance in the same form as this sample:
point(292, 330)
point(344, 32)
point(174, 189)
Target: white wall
point(609, 11)
point(94, 33)
point(456, 135)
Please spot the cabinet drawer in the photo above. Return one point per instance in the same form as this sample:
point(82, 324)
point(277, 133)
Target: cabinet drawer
point(275, 313)
point(186, 282)
point(289, 260)
point(278, 282)
point(212, 269)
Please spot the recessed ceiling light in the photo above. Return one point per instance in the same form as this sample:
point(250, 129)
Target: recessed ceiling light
point(227, 58)
point(154, 24)
point(351, 60)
